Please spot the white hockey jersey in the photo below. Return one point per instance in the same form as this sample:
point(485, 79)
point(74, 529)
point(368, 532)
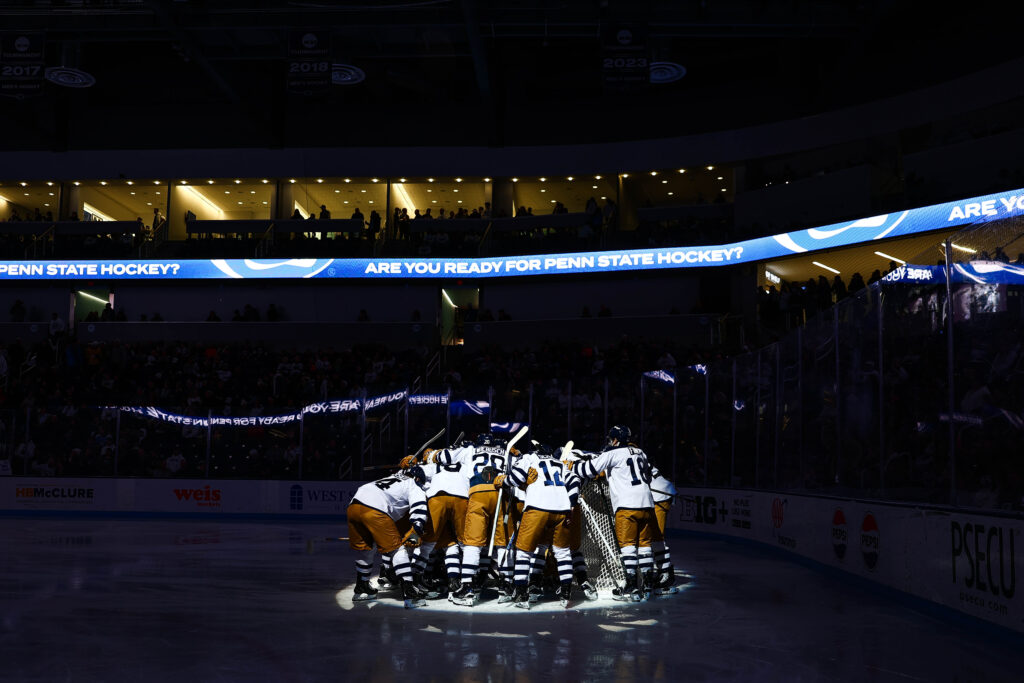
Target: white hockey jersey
point(556, 488)
point(661, 488)
point(448, 473)
point(474, 459)
point(395, 496)
point(629, 476)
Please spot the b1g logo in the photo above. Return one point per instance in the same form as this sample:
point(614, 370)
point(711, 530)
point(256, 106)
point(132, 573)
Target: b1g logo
point(869, 541)
point(701, 509)
point(839, 533)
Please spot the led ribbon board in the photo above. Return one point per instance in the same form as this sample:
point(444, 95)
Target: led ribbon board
point(973, 211)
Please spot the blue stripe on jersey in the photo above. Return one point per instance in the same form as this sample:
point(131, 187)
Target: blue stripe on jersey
point(586, 469)
point(518, 476)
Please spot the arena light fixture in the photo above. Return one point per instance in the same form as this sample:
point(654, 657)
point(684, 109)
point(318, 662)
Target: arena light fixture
point(543, 180)
point(597, 177)
point(515, 180)
point(23, 184)
point(430, 180)
point(156, 182)
point(291, 180)
point(458, 180)
point(625, 175)
point(347, 180)
point(132, 193)
point(237, 181)
point(76, 183)
point(569, 179)
point(93, 297)
point(822, 265)
point(682, 170)
point(49, 183)
point(711, 168)
point(210, 182)
point(654, 173)
point(265, 181)
point(86, 206)
point(103, 182)
point(891, 258)
point(721, 178)
point(184, 182)
point(664, 182)
point(401, 180)
point(319, 180)
point(670, 194)
point(376, 180)
point(131, 182)
point(487, 180)
point(967, 249)
point(402, 195)
point(203, 198)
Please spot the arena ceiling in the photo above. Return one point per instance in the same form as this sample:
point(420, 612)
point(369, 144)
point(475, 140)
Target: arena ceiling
point(208, 73)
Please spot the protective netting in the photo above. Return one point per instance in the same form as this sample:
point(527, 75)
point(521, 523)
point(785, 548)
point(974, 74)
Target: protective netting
point(599, 545)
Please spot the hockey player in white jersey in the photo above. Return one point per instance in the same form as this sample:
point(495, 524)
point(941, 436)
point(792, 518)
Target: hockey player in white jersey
point(447, 497)
point(372, 521)
point(663, 492)
point(636, 526)
point(480, 465)
point(551, 492)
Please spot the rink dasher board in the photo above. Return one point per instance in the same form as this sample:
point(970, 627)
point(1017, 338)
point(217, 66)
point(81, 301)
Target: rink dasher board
point(176, 496)
point(966, 562)
point(963, 561)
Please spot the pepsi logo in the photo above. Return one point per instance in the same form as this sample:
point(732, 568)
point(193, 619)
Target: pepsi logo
point(839, 533)
point(778, 512)
point(869, 541)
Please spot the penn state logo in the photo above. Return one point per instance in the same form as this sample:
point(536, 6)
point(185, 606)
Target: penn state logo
point(243, 269)
point(873, 228)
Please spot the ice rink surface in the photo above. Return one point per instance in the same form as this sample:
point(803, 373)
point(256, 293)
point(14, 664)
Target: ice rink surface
point(205, 601)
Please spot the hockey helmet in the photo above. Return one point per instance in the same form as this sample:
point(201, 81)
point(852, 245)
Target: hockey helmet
point(620, 434)
point(417, 474)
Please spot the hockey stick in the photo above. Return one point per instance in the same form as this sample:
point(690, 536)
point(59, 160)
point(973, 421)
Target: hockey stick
point(416, 455)
point(508, 469)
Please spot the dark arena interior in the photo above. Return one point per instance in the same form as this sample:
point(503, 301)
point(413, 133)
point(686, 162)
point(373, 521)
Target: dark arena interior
point(441, 340)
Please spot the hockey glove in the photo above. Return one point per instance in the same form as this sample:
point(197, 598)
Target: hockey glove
point(531, 476)
point(407, 462)
point(499, 480)
point(415, 536)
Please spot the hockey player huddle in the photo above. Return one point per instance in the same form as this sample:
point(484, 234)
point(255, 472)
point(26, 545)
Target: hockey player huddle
point(491, 512)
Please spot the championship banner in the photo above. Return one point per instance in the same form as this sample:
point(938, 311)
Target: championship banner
point(974, 211)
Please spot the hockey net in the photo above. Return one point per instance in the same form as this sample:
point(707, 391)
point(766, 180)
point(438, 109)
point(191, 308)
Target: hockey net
point(599, 547)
